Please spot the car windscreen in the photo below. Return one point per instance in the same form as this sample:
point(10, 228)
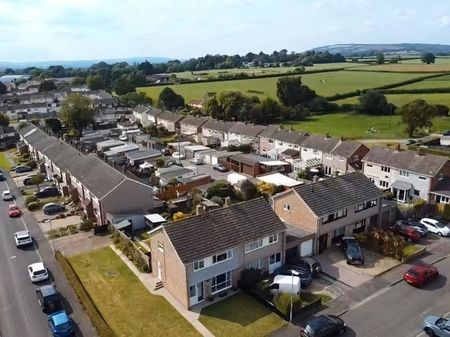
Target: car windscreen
point(412, 273)
point(440, 225)
point(39, 272)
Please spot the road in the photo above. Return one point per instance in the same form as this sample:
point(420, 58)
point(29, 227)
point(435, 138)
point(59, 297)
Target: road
point(20, 314)
point(400, 309)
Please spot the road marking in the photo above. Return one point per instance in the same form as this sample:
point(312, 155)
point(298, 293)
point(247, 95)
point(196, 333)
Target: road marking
point(34, 244)
point(12, 257)
point(426, 311)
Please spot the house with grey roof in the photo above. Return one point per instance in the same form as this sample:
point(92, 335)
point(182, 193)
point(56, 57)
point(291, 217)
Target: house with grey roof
point(273, 141)
point(192, 125)
point(407, 174)
point(146, 114)
point(99, 188)
point(170, 120)
point(216, 129)
point(244, 133)
point(344, 158)
point(331, 208)
point(204, 255)
point(316, 146)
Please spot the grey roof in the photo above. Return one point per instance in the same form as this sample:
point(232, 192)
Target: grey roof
point(140, 109)
point(330, 195)
point(147, 109)
point(321, 143)
point(249, 158)
point(203, 235)
point(172, 172)
point(402, 185)
point(194, 121)
point(247, 129)
point(347, 148)
point(426, 164)
point(142, 154)
point(291, 153)
point(170, 116)
point(214, 124)
point(289, 136)
point(269, 131)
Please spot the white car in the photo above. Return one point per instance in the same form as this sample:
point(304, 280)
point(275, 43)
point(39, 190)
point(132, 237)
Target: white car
point(37, 272)
point(435, 226)
point(197, 161)
point(22, 238)
point(7, 196)
point(177, 155)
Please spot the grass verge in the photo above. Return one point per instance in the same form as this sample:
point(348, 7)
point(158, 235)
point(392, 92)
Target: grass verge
point(4, 163)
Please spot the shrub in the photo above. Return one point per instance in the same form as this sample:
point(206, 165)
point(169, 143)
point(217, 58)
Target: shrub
point(362, 238)
point(86, 225)
point(30, 199)
point(31, 163)
point(131, 252)
point(283, 303)
point(34, 206)
point(250, 277)
point(218, 200)
point(73, 229)
point(178, 216)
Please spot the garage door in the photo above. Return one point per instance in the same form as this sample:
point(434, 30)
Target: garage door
point(306, 248)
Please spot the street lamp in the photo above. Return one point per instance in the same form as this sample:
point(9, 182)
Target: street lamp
point(292, 294)
point(53, 237)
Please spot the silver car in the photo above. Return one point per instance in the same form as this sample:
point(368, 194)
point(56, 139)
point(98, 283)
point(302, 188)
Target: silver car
point(436, 326)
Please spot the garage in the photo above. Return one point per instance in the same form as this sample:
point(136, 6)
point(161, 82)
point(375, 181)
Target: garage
point(306, 248)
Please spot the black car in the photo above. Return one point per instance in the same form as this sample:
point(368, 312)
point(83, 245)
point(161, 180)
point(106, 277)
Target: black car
point(352, 251)
point(22, 169)
point(306, 263)
point(48, 298)
point(323, 326)
point(50, 191)
point(2, 177)
point(304, 273)
point(220, 168)
point(421, 229)
point(53, 208)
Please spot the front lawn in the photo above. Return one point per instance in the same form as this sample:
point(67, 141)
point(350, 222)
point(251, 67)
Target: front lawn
point(240, 316)
point(124, 302)
point(411, 249)
point(4, 162)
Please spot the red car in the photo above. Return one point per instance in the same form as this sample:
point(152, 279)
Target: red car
point(14, 211)
point(409, 233)
point(420, 274)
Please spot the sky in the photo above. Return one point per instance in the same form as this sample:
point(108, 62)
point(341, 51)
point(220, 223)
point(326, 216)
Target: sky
point(42, 30)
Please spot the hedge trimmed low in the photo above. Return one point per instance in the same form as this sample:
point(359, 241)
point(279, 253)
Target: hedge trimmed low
point(99, 323)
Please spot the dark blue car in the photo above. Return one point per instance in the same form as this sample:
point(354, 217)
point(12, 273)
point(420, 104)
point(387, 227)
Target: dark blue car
point(60, 324)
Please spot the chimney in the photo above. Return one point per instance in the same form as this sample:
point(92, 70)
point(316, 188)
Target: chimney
point(199, 209)
point(227, 202)
point(315, 179)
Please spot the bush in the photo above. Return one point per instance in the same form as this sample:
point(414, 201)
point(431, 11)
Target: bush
point(30, 199)
point(73, 229)
point(283, 303)
point(86, 225)
point(31, 163)
point(34, 206)
point(218, 200)
point(250, 277)
point(131, 252)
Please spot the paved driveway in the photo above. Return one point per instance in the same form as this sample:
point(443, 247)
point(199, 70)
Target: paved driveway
point(207, 169)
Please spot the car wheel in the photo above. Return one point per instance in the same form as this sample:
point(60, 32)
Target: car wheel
point(429, 331)
point(440, 233)
point(342, 332)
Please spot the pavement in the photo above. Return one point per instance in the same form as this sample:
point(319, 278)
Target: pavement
point(20, 313)
point(57, 223)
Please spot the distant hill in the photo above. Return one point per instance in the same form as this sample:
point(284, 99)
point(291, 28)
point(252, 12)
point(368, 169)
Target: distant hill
point(79, 63)
point(401, 48)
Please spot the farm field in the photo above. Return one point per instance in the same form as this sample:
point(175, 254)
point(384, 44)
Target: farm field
point(439, 60)
point(204, 74)
point(401, 99)
point(408, 67)
point(326, 84)
point(438, 82)
point(356, 126)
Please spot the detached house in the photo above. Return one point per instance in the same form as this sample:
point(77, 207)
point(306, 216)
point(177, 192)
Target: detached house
point(204, 255)
point(331, 208)
point(170, 120)
point(409, 175)
point(344, 158)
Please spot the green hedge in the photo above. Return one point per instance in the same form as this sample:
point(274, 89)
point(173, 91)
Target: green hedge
point(283, 303)
point(99, 323)
point(30, 199)
point(34, 206)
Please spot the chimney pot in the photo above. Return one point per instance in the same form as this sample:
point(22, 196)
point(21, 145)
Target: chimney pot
point(227, 202)
point(199, 209)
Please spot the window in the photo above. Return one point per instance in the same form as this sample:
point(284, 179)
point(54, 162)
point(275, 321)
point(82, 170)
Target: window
point(222, 256)
point(328, 156)
point(442, 200)
point(422, 178)
point(286, 207)
point(384, 184)
point(315, 151)
point(372, 179)
point(198, 265)
point(295, 146)
point(365, 205)
point(220, 282)
point(273, 238)
point(275, 258)
point(404, 174)
point(416, 193)
point(270, 141)
point(192, 292)
point(257, 264)
point(335, 216)
point(280, 143)
point(305, 150)
point(385, 169)
point(253, 245)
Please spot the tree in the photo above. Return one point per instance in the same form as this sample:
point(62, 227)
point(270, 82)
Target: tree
point(95, 82)
point(54, 124)
point(122, 86)
point(170, 100)
point(248, 190)
point(416, 115)
point(146, 67)
point(442, 110)
point(3, 88)
point(380, 58)
point(266, 188)
point(291, 91)
point(374, 103)
point(4, 120)
point(428, 58)
point(78, 81)
point(133, 99)
point(76, 112)
point(47, 86)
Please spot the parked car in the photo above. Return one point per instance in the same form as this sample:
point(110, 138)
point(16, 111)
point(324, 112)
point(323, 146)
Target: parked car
point(446, 133)
point(409, 233)
point(37, 272)
point(352, 251)
point(2, 177)
point(29, 180)
point(285, 284)
point(420, 274)
point(177, 155)
point(60, 324)
point(165, 152)
point(48, 298)
point(196, 161)
point(14, 211)
point(323, 326)
point(306, 262)
point(50, 191)
point(220, 167)
point(7, 196)
point(436, 226)
point(22, 169)
point(305, 274)
point(422, 229)
point(22, 238)
point(53, 208)
point(436, 326)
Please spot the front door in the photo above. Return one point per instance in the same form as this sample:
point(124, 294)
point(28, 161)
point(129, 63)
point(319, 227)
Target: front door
point(196, 293)
point(200, 292)
point(323, 242)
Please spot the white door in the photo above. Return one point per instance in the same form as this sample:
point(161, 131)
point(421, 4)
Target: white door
point(306, 248)
point(196, 293)
point(159, 270)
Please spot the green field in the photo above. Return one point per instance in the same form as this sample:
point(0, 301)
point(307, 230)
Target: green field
point(437, 82)
point(407, 67)
point(356, 126)
point(439, 60)
point(326, 84)
point(401, 99)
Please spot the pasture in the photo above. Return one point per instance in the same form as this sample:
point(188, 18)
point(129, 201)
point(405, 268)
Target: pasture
point(325, 84)
point(401, 99)
point(437, 82)
point(408, 67)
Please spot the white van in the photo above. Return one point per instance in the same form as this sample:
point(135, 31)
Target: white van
point(285, 284)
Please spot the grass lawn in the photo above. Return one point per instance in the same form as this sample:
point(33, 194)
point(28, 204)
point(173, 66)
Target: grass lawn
point(325, 84)
point(4, 163)
point(356, 125)
point(124, 302)
point(411, 249)
point(240, 316)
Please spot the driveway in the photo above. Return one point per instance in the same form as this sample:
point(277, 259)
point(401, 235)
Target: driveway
point(207, 169)
point(81, 243)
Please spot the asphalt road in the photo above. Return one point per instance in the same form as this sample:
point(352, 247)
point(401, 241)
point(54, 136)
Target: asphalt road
point(20, 313)
point(400, 309)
